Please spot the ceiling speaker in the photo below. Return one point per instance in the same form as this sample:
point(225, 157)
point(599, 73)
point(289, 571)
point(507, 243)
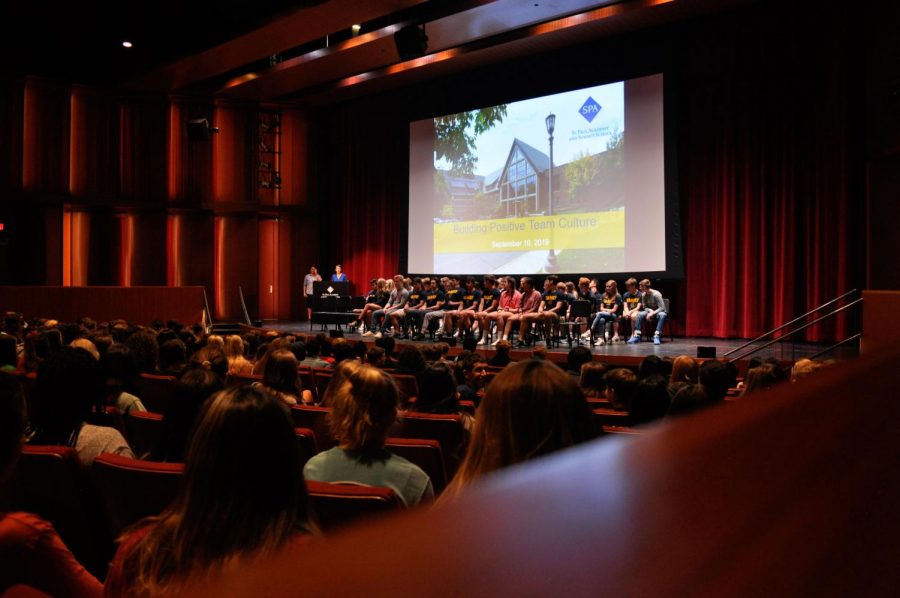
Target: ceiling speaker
point(411, 42)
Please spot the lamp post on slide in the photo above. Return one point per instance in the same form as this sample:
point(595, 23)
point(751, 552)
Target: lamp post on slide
point(550, 121)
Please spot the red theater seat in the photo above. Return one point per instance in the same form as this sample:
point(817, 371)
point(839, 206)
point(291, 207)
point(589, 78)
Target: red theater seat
point(407, 385)
point(338, 504)
point(306, 441)
point(314, 418)
point(243, 379)
point(155, 392)
point(446, 429)
point(424, 453)
point(144, 429)
point(131, 489)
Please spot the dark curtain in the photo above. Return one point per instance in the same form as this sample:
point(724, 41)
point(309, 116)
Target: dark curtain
point(768, 178)
point(366, 188)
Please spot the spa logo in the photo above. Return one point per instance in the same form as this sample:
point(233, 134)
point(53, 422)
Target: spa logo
point(590, 109)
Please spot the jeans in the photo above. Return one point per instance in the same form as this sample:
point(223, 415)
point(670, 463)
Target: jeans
point(660, 320)
point(600, 321)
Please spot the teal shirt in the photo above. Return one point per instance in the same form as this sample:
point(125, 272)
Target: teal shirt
point(337, 465)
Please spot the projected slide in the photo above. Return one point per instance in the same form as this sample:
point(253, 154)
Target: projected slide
point(540, 185)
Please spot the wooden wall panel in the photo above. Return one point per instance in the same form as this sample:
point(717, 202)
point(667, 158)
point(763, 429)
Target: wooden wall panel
point(94, 146)
point(294, 157)
point(236, 265)
point(45, 137)
point(232, 181)
point(143, 139)
point(11, 116)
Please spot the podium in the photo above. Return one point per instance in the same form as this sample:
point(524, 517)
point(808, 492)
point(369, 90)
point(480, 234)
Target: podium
point(331, 304)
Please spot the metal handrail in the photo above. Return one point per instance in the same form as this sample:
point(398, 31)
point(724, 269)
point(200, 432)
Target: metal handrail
point(206, 311)
point(796, 330)
point(856, 336)
point(795, 320)
point(244, 307)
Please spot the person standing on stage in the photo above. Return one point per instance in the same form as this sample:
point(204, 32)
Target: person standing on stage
point(308, 281)
point(338, 275)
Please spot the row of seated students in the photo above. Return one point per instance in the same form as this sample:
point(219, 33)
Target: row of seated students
point(465, 307)
point(229, 442)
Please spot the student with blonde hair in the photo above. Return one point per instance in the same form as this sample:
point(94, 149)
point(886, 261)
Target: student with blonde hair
point(363, 409)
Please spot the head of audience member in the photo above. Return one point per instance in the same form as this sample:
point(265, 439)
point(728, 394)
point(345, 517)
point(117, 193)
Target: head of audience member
point(68, 388)
point(120, 370)
point(102, 341)
point(649, 402)
point(172, 357)
point(762, 377)
point(326, 347)
point(469, 343)
point(532, 408)
point(471, 370)
point(539, 353)
point(191, 392)
point(87, 345)
point(593, 380)
point(502, 350)
point(37, 350)
point(243, 467)
point(281, 374)
point(214, 340)
point(578, 356)
point(70, 332)
point(165, 335)
point(431, 353)
point(651, 365)
point(210, 358)
point(716, 379)
point(312, 348)
point(14, 325)
point(342, 372)
point(620, 383)
point(410, 360)
point(803, 368)
point(363, 409)
point(690, 398)
point(437, 390)
point(12, 425)
point(375, 356)
point(387, 343)
point(685, 370)
point(343, 351)
point(8, 356)
point(145, 350)
point(359, 351)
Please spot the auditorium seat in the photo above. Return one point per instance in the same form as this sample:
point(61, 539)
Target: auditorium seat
point(321, 378)
point(339, 504)
point(155, 392)
point(131, 489)
point(426, 454)
point(50, 481)
point(306, 441)
point(608, 417)
point(467, 406)
point(446, 429)
point(307, 381)
point(144, 429)
point(315, 419)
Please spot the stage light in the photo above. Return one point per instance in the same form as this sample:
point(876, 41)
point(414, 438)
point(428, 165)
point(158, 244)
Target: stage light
point(127, 44)
point(355, 29)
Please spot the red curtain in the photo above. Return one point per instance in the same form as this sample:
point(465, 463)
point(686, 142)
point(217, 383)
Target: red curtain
point(368, 185)
point(765, 161)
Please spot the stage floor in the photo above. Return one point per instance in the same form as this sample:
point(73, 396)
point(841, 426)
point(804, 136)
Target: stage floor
point(622, 353)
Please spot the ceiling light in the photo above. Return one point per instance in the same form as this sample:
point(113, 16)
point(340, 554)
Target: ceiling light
point(127, 44)
point(355, 29)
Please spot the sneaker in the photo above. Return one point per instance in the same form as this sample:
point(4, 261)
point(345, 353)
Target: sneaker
point(616, 339)
point(482, 340)
point(499, 338)
point(379, 335)
point(586, 335)
point(655, 339)
point(601, 341)
point(368, 333)
point(634, 339)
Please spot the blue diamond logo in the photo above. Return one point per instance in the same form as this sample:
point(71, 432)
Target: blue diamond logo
point(590, 109)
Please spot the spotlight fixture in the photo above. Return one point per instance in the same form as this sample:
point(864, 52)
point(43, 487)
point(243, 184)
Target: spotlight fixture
point(355, 29)
point(127, 44)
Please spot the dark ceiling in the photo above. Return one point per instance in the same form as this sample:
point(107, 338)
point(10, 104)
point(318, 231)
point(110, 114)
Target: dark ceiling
point(223, 48)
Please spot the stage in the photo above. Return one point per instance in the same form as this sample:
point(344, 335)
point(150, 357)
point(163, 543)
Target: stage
point(619, 353)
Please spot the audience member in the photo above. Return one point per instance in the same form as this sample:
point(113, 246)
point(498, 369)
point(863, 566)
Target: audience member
point(242, 497)
point(501, 356)
point(282, 379)
point(532, 408)
point(762, 377)
point(364, 407)
point(650, 400)
point(620, 384)
point(31, 552)
point(120, 370)
point(716, 379)
point(592, 381)
point(191, 392)
point(690, 398)
point(172, 358)
point(69, 387)
point(234, 353)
